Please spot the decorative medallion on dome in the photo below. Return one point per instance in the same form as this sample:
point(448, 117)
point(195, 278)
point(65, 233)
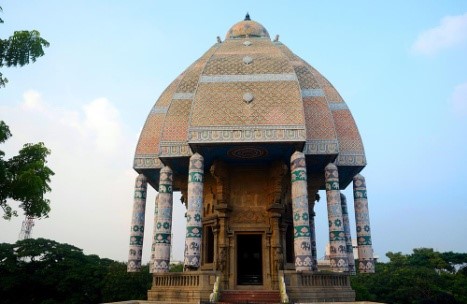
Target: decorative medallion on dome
point(247, 28)
point(248, 97)
point(247, 60)
point(247, 43)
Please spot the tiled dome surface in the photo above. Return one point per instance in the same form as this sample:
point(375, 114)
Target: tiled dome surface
point(249, 89)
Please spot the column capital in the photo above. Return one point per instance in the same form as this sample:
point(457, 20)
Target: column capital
point(359, 181)
point(297, 154)
point(330, 166)
point(197, 156)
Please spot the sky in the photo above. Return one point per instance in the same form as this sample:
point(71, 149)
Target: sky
point(401, 66)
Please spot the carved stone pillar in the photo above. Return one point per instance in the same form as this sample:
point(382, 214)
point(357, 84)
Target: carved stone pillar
point(164, 222)
point(222, 191)
point(137, 224)
point(302, 246)
point(194, 215)
point(220, 173)
point(153, 245)
point(348, 236)
point(277, 174)
point(366, 263)
point(338, 252)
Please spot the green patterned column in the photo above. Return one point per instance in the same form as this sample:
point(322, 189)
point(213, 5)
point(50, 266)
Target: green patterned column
point(312, 195)
point(195, 212)
point(164, 222)
point(137, 224)
point(302, 245)
point(366, 263)
point(348, 236)
point(338, 252)
point(153, 246)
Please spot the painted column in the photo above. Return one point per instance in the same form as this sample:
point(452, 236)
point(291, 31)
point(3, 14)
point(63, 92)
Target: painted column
point(338, 253)
point(366, 262)
point(153, 246)
point(302, 246)
point(314, 255)
point(348, 236)
point(137, 224)
point(194, 214)
point(164, 222)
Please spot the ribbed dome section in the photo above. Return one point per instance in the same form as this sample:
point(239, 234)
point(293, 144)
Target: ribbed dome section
point(251, 92)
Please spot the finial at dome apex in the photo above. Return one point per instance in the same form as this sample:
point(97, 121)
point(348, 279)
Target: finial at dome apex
point(247, 17)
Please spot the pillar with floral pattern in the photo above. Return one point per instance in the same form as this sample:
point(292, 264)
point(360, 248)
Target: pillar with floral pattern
point(194, 213)
point(153, 245)
point(366, 263)
point(348, 236)
point(338, 252)
point(302, 244)
point(137, 224)
point(164, 222)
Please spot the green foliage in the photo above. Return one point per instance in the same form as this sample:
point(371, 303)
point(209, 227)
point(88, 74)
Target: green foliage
point(24, 178)
point(45, 271)
point(20, 49)
point(425, 276)
point(176, 267)
point(120, 285)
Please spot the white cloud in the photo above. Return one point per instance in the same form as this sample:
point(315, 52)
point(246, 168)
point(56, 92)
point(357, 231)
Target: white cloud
point(91, 196)
point(102, 119)
point(32, 101)
point(459, 99)
point(92, 189)
point(451, 31)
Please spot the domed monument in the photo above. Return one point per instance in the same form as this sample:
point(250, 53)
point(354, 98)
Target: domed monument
point(248, 134)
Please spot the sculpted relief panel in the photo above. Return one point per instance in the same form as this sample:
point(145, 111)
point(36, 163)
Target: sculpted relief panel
point(249, 195)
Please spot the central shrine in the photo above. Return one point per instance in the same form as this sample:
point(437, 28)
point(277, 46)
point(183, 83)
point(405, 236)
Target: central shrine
point(249, 133)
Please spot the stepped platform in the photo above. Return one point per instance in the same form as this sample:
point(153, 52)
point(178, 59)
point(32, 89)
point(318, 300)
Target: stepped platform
point(250, 296)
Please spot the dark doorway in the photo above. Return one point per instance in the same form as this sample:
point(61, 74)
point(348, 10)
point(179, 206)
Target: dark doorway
point(249, 259)
point(209, 245)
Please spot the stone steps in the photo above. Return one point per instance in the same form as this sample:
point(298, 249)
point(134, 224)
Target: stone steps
point(250, 296)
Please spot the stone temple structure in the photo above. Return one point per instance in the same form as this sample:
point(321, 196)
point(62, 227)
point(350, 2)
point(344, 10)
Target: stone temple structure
point(248, 134)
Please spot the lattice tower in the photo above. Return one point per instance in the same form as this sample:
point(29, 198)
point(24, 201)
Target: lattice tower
point(26, 228)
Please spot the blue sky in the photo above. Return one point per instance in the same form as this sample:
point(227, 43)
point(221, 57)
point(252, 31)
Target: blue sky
point(401, 66)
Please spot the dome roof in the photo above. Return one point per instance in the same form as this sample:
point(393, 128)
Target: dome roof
point(247, 28)
point(250, 99)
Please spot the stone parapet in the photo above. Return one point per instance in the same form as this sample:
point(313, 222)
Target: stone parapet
point(306, 287)
point(185, 287)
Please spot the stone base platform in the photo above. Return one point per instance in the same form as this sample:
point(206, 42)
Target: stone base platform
point(159, 302)
point(301, 287)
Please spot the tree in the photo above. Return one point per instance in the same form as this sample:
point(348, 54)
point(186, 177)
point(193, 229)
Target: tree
point(24, 178)
point(120, 285)
point(425, 276)
point(20, 49)
point(45, 271)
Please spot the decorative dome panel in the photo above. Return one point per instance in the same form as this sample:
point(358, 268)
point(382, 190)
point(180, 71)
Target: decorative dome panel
point(249, 92)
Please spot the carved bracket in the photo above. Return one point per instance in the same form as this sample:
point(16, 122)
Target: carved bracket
point(219, 171)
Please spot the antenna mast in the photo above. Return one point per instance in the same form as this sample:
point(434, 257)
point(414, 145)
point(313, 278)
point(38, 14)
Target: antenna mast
point(26, 228)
